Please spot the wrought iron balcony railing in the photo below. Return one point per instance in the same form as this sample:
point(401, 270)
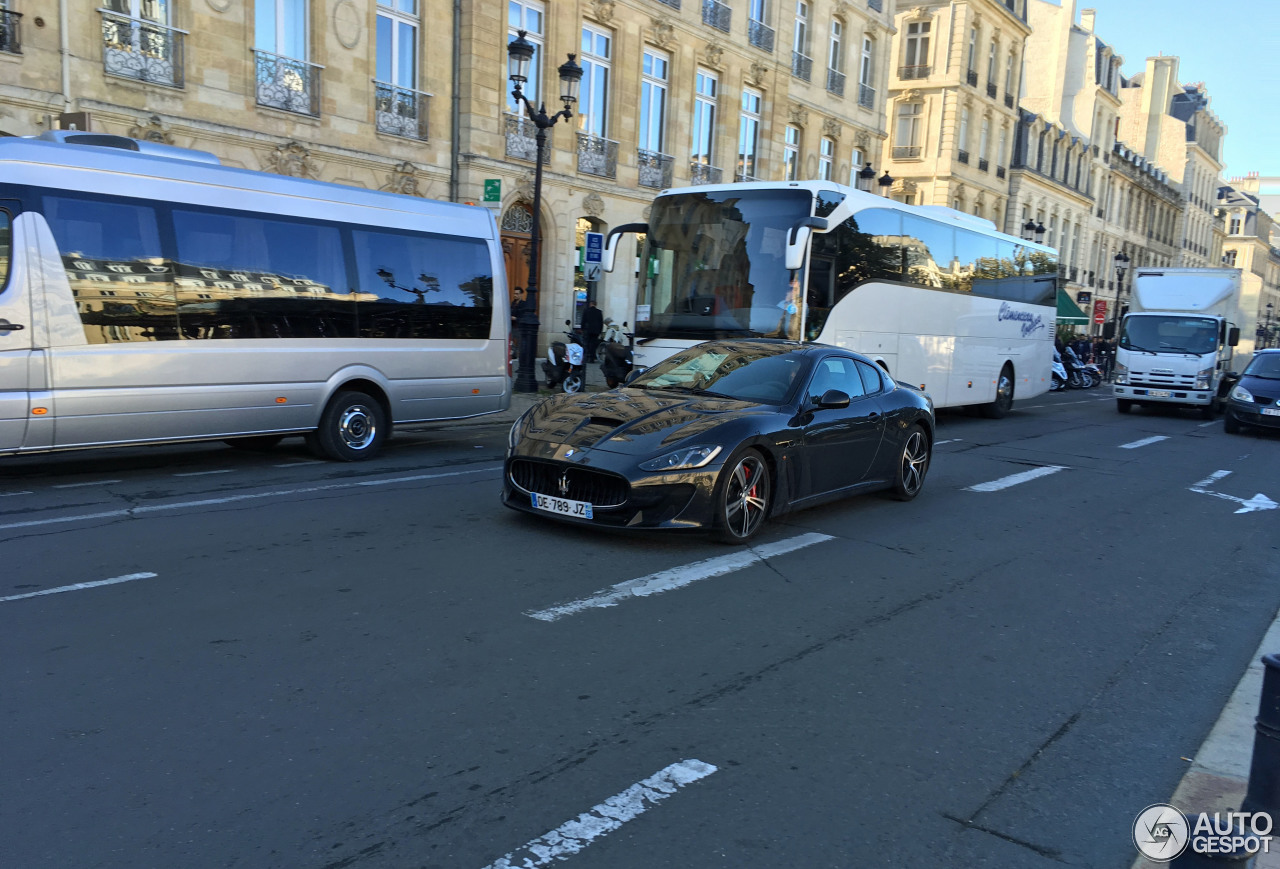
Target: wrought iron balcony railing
point(287, 83)
point(983, 165)
point(963, 156)
point(743, 177)
point(597, 155)
point(1008, 101)
point(991, 90)
point(522, 140)
point(655, 169)
point(704, 173)
point(141, 50)
point(908, 73)
point(835, 82)
point(1000, 172)
point(400, 111)
point(717, 14)
point(760, 34)
point(10, 31)
point(971, 77)
point(674, 4)
point(801, 66)
point(906, 152)
point(866, 96)
point(875, 5)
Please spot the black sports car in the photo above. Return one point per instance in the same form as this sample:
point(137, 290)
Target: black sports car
point(719, 437)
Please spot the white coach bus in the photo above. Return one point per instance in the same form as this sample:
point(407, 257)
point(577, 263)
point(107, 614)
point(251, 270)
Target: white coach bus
point(941, 299)
point(149, 294)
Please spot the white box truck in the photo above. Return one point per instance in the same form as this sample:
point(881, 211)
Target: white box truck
point(1176, 343)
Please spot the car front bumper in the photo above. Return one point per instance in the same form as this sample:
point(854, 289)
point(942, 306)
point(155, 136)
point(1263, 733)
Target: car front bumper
point(1250, 413)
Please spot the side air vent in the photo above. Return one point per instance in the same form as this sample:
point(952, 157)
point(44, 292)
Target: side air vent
point(124, 143)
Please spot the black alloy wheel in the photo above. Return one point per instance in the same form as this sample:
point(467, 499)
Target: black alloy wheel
point(742, 498)
point(913, 464)
point(352, 428)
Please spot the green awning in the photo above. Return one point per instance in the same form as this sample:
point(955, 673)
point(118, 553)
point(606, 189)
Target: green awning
point(1069, 313)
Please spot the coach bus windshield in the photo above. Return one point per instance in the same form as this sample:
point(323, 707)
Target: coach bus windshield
point(714, 265)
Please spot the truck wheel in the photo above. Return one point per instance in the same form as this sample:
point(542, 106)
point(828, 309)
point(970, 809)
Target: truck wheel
point(1124, 405)
point(353, 427)
point(1210, 410)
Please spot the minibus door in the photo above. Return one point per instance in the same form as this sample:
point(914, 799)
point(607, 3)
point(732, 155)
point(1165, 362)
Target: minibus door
point(15, 331)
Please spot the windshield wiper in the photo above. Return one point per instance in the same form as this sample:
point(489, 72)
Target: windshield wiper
point(1140, 349)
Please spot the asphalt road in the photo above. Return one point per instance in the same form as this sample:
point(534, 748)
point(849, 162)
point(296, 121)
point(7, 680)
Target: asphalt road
point(322, 665)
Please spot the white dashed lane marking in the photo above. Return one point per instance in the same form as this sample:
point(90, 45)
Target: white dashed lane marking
point(1015, 479)
point(1144, 442)
point(572, 836)
point(79, 585)
point(80, 485)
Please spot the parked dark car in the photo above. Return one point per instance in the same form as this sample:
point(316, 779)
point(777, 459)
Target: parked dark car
point(1255, 398)
point(720, 437)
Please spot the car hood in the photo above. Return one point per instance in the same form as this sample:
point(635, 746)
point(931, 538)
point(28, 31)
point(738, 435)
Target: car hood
point(625, 421)
point(1261, 387)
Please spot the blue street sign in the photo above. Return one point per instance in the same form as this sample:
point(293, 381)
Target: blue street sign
point(594, 252)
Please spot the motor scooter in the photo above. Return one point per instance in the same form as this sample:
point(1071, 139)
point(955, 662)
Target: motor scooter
point(617, 360)
point(563, 366)
point(1058, 382)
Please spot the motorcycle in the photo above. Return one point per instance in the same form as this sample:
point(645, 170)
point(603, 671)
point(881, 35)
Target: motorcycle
point(1059, 374)
point(613, 334)
point(617, 360)
point(564, 364)
point(1094, 373)
point(1077, 377)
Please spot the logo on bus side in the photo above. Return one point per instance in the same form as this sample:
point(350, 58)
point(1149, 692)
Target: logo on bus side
point(1031, 323)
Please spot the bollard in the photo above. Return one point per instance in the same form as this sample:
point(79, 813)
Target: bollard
point(1263, 794)
point(1239, 855)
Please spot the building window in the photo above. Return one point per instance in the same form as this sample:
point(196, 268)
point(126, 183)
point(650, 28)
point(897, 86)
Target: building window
point(855, 166)
point(791, 154)
point(749, 135)
point(826, 157)
point(531, 18)
point(1235, 226)
point(653, 100)
point(800, 36)
point(835, 54)
point(991, 67)
point(915, 55)
point(400, 109)
point(906, 143)
point(704, 116)
point(1008, 79)
point(593, 102)
point(963, 136)
point(866, 74)
point(284, 78)
point(1000, 150)
point(280, 27)
point(984, 140)
point(972, 65)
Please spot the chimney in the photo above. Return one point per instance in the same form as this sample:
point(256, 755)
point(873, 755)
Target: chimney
point(1086, 19)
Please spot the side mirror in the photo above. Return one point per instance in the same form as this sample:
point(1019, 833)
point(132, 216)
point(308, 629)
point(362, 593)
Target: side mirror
point(834, 398)
point(1233, 336)
point(611, 242)
point(798, 241)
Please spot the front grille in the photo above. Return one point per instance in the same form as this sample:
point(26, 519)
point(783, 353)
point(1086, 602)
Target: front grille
point(1161, 380)
point(598, 488)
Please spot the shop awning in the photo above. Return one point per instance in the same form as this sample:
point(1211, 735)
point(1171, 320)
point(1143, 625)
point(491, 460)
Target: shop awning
point(1069, 313)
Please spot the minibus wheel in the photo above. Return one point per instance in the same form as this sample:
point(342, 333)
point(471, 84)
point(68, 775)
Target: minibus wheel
point(353, 427)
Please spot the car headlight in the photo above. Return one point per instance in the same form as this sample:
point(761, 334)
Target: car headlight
point(1204, 378)
point(1121, 374)
point(688, 457)
point(1241, 394)
point(513, 436)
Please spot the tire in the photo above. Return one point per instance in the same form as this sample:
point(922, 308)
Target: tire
point(1000, 408)
point(352, 428)
point(611, 382)
point(1057, 384)
point(1210, 410)
point(255, 443)
point(1230, 424)
point(573, 383)
point(913, 464)
point(741, 498)
point(1074, 380)
point(1123, 405)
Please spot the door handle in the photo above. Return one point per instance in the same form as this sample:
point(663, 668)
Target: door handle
point(6, 326)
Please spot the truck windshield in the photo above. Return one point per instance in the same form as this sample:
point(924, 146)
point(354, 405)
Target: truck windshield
point(1170, 334)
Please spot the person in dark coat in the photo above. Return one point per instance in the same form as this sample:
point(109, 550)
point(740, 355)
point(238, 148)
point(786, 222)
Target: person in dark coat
point(592, 326)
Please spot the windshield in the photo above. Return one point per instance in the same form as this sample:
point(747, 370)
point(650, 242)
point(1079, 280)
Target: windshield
point(1170, 334)
point(1264, 365)
point(762, 374)
point(714, 265)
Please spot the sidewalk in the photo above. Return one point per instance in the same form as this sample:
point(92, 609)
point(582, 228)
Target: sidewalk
point(520, 402)
point(1219, 774)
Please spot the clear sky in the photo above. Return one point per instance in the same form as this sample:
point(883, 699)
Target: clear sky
point(1233, 46)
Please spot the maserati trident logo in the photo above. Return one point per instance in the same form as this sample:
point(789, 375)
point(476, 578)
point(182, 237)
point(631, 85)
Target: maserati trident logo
point(564, 484)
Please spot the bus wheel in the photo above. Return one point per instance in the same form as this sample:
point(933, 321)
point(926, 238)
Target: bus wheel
point(256, 443)
point(353, 427)
point(1004, 395)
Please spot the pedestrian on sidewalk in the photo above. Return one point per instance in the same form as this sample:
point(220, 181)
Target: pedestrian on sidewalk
point(592, 326)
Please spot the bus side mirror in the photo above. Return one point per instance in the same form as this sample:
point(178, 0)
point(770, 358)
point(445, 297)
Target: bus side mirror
point(798, 241)
point(611, 243)
point(1233, 336)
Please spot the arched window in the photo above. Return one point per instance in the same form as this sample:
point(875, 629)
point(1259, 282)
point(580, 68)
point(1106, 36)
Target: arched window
point(518, 218)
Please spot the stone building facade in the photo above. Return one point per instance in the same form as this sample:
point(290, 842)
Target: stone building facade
point(413, 96)
point(1250, 246)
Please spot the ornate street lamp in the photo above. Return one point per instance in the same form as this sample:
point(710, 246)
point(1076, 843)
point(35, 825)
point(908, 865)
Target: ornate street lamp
point(866, 178)
point(1040, 231)
point(519, 56)
point(1029, 230)
point(885, 183)
point(1266, 341)
point(1121, 261)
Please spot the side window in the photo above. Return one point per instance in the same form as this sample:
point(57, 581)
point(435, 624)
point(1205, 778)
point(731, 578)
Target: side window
point(871, 379)
point(416, 285)
point(835, 372)
point(6, 246)
point(930, 251)
point(122, 284)
point(244, 276)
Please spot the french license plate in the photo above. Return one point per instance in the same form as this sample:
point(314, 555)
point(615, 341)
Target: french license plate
point(1159, 393)
point(563, 506)
point(1271, 411)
